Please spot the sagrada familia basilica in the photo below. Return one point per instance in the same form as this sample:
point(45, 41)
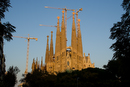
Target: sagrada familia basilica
point(65, 57)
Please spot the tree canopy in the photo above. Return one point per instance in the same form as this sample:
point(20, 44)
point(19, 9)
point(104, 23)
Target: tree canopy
point(90, 77)
point(10, 78)
point(4, 5)
point(120, 32)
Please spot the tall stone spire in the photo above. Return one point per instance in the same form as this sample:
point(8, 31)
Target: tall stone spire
point(33, 65)
point(63, 44)
point(74, 45)
point(36, 63)
point(47, 51)
point(63, 36)
point(57, 48)
point(79, 48)
point(73, 37)
point(51, 47)
point(41, 63)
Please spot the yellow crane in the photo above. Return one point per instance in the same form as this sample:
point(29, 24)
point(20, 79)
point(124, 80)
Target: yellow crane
point(47, 25)
point(28, 38)
point(65, 14)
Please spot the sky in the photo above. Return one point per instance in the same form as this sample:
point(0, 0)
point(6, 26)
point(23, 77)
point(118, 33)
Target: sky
point(97, 17)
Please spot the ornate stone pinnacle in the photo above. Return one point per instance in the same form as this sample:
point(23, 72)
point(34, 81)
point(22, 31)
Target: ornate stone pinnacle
point(62, 11)
point(73, 13)
point(58, 17)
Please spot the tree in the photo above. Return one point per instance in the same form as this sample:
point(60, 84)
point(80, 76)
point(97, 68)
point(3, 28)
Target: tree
point(39, 78)
point(6, 30)
point(121, 33)
point(10, 78)
point(4, 4)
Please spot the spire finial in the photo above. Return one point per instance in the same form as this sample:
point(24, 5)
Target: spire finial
point(62, 15)
point(62, 11)
point(73, 15)
point(58, 17)
point(58, 21)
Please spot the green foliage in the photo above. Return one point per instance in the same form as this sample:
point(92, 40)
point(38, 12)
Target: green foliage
point(4, 4)
point(120, 32)
point(90, 77)
point(10, 78)
point(6, 31)
point(39, 78)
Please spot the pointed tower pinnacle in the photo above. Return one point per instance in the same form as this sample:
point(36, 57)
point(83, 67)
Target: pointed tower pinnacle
point(63, 45)
point(51, 47)
point(47, 51)
point(73, 37)
point(74, 45)
point(37, 63)
point(41, 62)
point(63, 36)
point(42, 67)
point(80, 49)
point(33, 65)
point(63, 24)
point(57, 48)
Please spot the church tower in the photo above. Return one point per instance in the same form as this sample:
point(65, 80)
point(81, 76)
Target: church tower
point(47, 51)
point(58, 48)
point(63, 45)
point(33, 65)
point(51, 47)
point(79, 48)
point(74, 46)
point(65, 58)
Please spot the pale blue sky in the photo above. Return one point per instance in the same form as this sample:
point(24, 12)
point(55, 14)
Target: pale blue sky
point(96, 18)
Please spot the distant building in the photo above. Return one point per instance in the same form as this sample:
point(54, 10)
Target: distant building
point(65, 58)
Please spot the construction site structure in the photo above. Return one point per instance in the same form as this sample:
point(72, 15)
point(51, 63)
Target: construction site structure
point(77, 11)
point(66, 58)
point(65, 9)
point(28, 38)
point(47, 25)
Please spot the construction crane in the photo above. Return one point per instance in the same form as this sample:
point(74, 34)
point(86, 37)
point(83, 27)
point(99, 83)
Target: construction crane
point(65, 14)
point(28, 38)
point(47, 25)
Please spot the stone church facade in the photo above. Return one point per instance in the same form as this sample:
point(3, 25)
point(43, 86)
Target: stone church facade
point(65, 57)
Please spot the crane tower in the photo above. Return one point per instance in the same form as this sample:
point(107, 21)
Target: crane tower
point(28, 38)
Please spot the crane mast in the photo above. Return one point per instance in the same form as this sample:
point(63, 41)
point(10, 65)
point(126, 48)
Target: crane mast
point(28, 38)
